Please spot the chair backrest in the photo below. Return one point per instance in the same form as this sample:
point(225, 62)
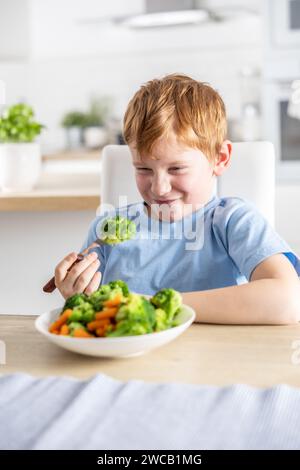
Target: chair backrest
point(251, 176)
point(117, 176)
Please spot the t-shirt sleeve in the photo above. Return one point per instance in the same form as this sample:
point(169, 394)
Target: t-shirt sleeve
point(90, 238)
point(248, 237)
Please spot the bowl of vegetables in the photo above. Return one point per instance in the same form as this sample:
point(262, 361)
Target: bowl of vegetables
point(114, 322)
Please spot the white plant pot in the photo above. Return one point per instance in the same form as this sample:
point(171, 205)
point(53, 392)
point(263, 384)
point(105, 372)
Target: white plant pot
point(20, 166)
point(95, 137)
point(74, 137)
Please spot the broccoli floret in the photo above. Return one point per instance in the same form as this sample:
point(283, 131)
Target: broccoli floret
point(137, 317)
point(103, 290)
point(76, 315)
point(75, 326)
point(74, 300)
point(149, 311)
point(117, 230)
point(168, 300)
point(97, 298)
point(161, 322)
point(126, 328)
point(120, 284)
point(138, 329)
point(84, 313)
point(122, 329)
point(88, 312)
point(106, 292)
point(137, 309)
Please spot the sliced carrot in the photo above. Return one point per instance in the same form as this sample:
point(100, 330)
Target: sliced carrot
point(65, 315)
point(100, 331)
point(103, 329)
point(81, 333)
point(64, 330)
point(61, 320)
point(54, 327)
point(105, 314)
point(112, 310)
point(113, 302)
point(93, 325)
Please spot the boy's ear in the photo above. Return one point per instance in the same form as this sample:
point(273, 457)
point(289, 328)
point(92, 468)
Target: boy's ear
point(223, 159)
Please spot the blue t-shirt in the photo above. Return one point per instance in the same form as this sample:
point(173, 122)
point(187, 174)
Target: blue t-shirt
point(216, 246)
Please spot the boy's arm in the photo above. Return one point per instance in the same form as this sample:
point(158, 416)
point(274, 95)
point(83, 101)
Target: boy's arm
point(271, 297)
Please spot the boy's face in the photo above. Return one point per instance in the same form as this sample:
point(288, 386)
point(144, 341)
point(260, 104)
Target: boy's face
point(176, 179)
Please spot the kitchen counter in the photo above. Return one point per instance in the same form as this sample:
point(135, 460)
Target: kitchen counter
point(70, 181)
point(56, 192)
point(204, 354)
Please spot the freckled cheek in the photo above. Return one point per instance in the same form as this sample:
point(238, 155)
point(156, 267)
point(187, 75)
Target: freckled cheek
point(183, 183)
point(143, 183)
point(190, 188)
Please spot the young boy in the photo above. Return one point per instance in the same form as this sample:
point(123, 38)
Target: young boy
point(240, 271)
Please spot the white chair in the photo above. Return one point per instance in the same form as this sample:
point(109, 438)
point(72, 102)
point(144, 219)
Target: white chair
point(117, 176)
point(251, 176)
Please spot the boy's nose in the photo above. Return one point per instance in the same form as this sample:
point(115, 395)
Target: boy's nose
point(160, 186)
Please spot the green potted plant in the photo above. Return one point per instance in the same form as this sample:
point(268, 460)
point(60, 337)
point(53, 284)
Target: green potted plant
point(20, 155)
point(74, 122)
point(95, 133)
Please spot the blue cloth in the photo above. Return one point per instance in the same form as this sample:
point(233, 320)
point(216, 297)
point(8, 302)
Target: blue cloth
point(104, 413)
point(216, 246)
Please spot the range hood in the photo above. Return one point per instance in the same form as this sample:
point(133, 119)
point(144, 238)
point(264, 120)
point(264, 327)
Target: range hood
point(163, 13)
point(156, 14)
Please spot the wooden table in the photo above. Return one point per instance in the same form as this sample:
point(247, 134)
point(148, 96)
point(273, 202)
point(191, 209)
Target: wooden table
point(204, 354)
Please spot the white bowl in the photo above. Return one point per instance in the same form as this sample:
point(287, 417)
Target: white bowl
point(123, 346)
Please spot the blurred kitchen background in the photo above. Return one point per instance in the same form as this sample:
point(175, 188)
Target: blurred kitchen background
point(78, 62)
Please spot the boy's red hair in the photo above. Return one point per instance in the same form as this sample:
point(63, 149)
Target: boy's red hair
point(193, 110)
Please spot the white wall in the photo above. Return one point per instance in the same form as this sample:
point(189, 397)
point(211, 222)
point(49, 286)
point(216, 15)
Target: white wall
point(57, 27)
point(14, 29)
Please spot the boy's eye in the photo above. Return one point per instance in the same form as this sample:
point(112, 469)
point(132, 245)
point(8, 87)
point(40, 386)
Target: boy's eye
point(175, 169)
point(178, 168)
point(143, 170)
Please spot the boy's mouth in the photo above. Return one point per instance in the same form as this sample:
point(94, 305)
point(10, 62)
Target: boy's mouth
point(166, 201)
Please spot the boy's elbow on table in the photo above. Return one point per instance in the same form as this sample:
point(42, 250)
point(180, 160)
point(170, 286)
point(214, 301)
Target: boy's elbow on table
point(290, 311)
